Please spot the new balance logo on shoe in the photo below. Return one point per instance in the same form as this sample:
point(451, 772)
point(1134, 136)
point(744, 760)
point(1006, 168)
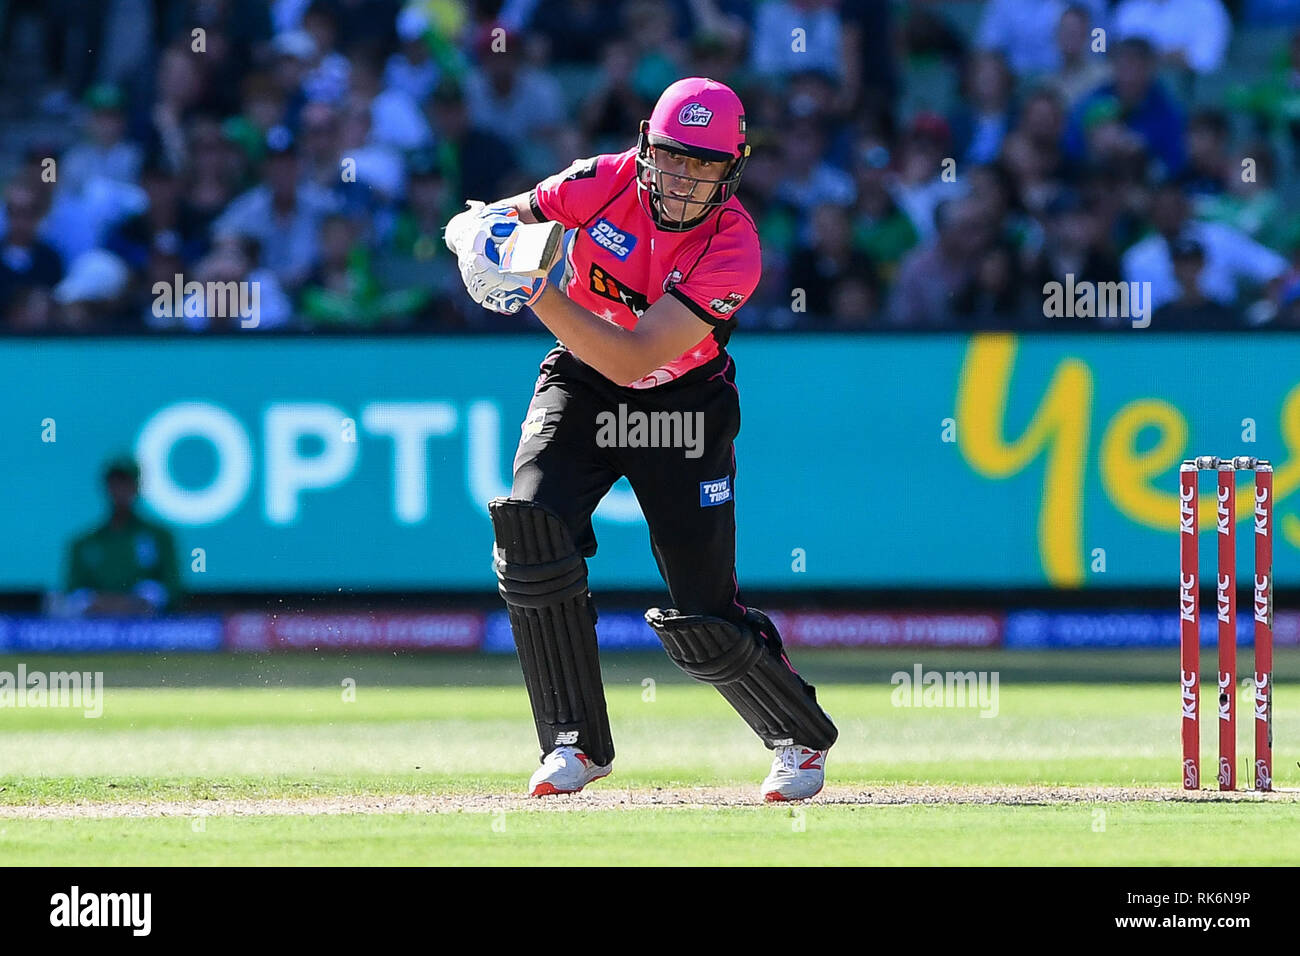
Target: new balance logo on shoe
point(798, 773)
point(565, 770)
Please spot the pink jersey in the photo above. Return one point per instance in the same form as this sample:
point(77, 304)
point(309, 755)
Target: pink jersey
point(620, 262)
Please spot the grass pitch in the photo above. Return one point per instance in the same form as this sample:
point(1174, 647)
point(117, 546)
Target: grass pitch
point(202, 760)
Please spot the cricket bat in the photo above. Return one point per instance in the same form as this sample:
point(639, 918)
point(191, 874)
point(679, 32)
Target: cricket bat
point(532, 249)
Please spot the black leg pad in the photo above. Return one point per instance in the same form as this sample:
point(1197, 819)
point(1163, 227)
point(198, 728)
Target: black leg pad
point(748, 666)
point(543, 580)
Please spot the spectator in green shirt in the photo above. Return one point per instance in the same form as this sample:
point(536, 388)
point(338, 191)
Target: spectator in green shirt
point(127, 566)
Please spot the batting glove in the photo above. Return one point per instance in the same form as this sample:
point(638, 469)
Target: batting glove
point(466, 228)
point(480, 269)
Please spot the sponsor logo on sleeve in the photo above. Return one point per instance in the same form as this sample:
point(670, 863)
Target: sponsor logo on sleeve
point(579, 169)
point(609, 237)
point(532, 425)
point(728, 305)
point(716, 492)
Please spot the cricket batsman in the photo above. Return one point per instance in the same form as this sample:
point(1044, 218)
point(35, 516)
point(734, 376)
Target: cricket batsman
point(662, 258)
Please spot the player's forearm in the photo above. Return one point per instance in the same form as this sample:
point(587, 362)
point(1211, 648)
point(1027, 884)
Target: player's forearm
point(620, 354)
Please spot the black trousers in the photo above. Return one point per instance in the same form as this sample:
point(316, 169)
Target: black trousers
point(582, 433)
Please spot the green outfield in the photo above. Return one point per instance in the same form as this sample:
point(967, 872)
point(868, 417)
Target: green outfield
point(373, 759)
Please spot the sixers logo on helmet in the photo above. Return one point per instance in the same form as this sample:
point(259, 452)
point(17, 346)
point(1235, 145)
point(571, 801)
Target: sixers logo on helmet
point(695, 114)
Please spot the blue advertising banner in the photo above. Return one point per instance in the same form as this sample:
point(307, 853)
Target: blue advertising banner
point(28, 633)
point(864, 461)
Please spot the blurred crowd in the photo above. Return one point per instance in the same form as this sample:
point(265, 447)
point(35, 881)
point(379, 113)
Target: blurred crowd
point(924, 165)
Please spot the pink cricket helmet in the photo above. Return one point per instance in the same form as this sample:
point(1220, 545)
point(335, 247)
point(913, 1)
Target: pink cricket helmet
point(696, 117)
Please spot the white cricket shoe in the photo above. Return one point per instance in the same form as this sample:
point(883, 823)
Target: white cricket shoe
point(798, 772)
point(565, 770)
